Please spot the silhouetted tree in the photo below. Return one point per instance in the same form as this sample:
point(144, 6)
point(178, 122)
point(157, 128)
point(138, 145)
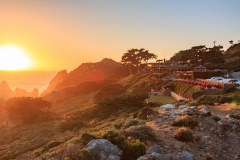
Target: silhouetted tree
point(200, 55)
point(144, 55)
point(28, 109)
point(134, 57)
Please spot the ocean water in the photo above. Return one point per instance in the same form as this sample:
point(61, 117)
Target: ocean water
point(27, 80)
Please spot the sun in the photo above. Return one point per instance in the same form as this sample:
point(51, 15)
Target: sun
point(13, 58)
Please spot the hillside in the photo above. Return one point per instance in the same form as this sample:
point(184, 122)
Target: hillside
point(123, 110)
point(232, 54)
point(87, 72)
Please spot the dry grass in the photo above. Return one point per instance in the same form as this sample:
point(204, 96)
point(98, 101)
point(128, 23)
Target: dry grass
point(186, 121)
point(184, 134)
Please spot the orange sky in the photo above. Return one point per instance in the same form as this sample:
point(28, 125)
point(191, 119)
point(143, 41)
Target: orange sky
point(61, 34)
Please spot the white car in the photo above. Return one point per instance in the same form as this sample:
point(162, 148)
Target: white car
point(217, 79)
point(231, 80)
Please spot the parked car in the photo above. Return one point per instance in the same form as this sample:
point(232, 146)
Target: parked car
point(217, 79)
point(231, 80)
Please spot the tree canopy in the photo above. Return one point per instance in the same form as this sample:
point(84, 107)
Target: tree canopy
point(134, 57)
point(200, 55)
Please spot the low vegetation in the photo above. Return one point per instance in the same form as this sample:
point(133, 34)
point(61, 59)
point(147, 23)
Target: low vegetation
point(184, 134)
point(132, 149)
point(142, 132)
point(186, 121)
point(28, 110)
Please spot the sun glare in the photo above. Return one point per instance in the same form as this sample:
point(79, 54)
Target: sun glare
point(13, 58)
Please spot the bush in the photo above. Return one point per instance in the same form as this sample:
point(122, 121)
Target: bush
point(51, 145)
point(118, 125)
point(225, 99)
point(185, 121)
point(87, 137)
point(141, 132)
point(184, 134)
point(133, 150)
point(113, 137)
point(144, 113)
point(131, 122)
point(86, 155)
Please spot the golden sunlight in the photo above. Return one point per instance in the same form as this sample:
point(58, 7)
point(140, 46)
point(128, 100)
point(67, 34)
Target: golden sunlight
point(13, 58)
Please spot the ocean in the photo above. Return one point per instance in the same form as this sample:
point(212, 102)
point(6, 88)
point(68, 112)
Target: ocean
point(27, 80)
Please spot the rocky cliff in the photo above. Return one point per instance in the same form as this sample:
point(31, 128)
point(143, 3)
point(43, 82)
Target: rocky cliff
point(6, 92)
point(86, 72)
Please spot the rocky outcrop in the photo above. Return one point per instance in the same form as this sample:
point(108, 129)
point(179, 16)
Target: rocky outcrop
point(102, 149)
point(86, 72)
point(157, 153)
point(60, 77)
point(23, 93)
point(6, 92)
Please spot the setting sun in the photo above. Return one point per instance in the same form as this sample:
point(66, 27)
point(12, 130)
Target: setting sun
point(13, 58)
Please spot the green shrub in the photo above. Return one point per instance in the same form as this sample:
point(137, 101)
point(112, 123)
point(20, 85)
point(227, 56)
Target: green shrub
point(184, 134)
point(225, 99)
point(86, 155)
point(113, 137)
point(118, 125)
point(185, 121)
point(144, 113)
point(131, 122)
point(141, 132)
point(50, 145)
point(133, 150)
point(87, 137)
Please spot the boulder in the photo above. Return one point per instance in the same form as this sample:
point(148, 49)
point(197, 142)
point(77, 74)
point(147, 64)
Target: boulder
point(185, 155)
point(188, 111)
point(102, 149)
point(156, 149)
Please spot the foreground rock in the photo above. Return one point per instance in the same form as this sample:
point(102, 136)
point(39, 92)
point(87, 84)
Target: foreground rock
point(102, 149)
point(157, 153)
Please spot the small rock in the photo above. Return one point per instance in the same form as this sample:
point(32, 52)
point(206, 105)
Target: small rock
point(193, 107)
point(167, 107)
point(205, 112)
point(183, 107)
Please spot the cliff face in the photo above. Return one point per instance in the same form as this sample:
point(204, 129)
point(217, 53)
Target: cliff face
point(6, 92)
point(86, 72)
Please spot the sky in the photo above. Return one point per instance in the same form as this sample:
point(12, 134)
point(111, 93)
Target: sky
point(62, 34)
